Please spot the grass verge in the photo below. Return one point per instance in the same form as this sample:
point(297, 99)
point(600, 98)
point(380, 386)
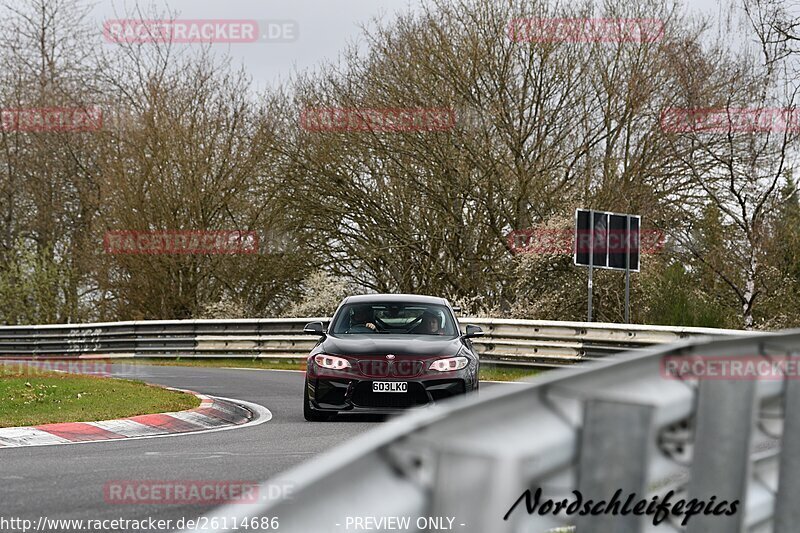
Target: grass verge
point(30, 397)
point(488, 372)
point(491, 372)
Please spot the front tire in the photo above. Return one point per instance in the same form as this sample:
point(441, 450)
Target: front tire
point(309, 413)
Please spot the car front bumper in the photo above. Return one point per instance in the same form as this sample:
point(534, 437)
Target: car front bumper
point(355, 395)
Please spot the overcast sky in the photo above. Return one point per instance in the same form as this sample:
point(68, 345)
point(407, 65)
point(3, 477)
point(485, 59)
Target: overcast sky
point(324, 26)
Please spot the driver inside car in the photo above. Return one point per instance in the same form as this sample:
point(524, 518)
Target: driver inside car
point(361, 320)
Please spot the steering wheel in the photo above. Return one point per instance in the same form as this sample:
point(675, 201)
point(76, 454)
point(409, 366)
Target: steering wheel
point(382, 326)
point(360, 329)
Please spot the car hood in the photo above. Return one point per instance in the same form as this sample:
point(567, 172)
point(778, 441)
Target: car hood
point(399, 345)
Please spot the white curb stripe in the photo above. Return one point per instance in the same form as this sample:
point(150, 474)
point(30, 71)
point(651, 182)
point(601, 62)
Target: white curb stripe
point(23, 436)
point(228, 409)
point(198, 419)
point(128, 428)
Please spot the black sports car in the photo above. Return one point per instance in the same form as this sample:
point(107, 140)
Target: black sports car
point(383, 353)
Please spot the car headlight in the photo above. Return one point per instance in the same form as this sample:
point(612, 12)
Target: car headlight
point(331, 361)
point(450, 364)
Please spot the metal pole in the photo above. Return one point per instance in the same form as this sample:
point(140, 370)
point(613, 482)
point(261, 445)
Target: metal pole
point(627, 269)
point(591, 259)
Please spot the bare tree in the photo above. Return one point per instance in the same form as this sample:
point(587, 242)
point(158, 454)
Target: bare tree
point(739, 163)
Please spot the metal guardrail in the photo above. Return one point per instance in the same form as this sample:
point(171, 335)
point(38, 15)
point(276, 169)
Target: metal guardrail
point(614, 425)
point(517, 342)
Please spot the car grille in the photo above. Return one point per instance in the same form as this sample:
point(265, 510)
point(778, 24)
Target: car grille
point(364, 397)
point(399, 368)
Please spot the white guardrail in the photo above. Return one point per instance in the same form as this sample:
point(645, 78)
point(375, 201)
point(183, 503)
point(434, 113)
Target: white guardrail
point(615, 425)
point(513, 342)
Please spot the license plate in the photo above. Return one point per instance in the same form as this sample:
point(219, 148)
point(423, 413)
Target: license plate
point(389, 386)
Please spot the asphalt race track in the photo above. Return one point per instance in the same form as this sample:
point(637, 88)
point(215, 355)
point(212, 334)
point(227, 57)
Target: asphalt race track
point(67, 481)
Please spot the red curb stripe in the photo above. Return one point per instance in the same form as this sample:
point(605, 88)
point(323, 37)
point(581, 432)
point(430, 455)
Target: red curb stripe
point(79, 432)
point(169, 423)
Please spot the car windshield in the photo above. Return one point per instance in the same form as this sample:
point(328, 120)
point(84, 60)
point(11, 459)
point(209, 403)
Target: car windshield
point(394, 318)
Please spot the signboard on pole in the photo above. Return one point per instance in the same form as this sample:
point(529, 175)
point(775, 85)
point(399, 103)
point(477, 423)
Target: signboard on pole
point(610, 241)
point(607, 240)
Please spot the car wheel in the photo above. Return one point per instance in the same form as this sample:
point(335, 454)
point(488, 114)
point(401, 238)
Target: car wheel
point(309, 413)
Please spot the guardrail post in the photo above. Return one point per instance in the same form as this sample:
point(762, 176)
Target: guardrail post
point(462, 479)
point(36, 341)
point(721, 457)
point(195, 342)
point(613, 457)
point(787, 512)
point(137, 343)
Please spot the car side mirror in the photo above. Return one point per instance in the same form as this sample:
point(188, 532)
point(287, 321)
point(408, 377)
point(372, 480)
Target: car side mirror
point(314, 328)
point(473, 331)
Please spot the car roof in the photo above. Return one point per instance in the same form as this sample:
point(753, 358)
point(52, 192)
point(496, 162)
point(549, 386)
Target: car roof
point(406, 298)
